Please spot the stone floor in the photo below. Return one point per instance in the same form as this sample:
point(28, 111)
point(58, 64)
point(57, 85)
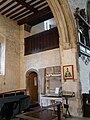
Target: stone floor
point(77, 118)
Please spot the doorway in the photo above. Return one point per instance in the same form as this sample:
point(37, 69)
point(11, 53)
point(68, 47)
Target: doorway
point(33, 86)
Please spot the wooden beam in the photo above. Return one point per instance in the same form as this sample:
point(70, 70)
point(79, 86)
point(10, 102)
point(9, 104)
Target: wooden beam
point(38, 2)
point(23, 13)
point(19, 13)
point(6, 5)
point(40, 19)
point(36, 16)
point(9, 9)
point(2, 2)
point(16, 10)
point(16, 5)
point(41, 5)
point(29, 7)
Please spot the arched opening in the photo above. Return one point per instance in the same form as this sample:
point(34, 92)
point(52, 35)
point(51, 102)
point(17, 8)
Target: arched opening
point(65, 23)
point(32, 85)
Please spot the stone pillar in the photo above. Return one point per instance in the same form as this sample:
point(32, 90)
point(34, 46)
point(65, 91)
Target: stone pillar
point(69, 58)
point(68, 50)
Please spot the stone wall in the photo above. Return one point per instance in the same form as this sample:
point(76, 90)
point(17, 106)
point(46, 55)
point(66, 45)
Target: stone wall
point(77, 3)
point(68, 56)
point(10, 30)
point(38, 61)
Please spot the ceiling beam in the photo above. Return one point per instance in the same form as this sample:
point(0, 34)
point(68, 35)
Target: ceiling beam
point(14, 11)
point(18, 9)
point(25, 13)
point(8, 10)
point(11, 8)
point(33, 19)
point(22, 15)
point(2, 2)
point(40, 19)
point(10, 3)
point(29, 7)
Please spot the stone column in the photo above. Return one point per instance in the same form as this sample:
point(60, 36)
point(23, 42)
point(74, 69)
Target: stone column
point(69, 58)
point(68, 50)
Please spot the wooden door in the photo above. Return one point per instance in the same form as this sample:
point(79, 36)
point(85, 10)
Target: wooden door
point(33, 87)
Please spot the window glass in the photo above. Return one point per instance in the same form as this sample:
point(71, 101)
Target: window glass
point(2, 54)
point(0, 58)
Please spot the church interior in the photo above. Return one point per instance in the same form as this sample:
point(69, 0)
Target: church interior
point(44, 59)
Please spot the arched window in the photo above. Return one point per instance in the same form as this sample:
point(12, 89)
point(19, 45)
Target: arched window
point(2, 54)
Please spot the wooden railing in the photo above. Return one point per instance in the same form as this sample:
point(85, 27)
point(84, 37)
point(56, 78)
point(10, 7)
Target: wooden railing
point(85, 50)
point(13, 93)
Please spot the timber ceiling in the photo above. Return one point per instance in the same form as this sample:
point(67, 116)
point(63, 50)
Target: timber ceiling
point(29, 12)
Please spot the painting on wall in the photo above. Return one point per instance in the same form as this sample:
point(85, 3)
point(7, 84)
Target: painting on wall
point(68, 72)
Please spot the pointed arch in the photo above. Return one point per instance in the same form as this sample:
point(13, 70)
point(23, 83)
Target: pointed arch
point(64, 21)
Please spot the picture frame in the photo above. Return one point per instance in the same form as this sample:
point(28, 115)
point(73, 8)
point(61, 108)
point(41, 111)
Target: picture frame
point(68, 72)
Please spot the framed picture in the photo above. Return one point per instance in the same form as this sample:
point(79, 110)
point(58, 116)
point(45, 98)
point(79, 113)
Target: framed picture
point(68, 72)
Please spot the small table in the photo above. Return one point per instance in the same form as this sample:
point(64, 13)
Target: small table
point(66, 105)
point(49, 98)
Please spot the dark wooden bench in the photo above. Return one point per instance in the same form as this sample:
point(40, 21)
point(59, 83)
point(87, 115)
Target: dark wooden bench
point(13, 105)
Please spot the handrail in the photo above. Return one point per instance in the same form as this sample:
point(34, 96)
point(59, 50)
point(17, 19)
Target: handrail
point(12, 91)
point(84, 45)
point(83, 20)
point(86, 48)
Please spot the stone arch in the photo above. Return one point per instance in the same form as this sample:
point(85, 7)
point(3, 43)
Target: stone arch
point(68, 38)
point(65, 23)
point(27, 78)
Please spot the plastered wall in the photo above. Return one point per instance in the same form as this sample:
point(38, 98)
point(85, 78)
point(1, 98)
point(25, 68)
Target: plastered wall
point(84, 75)
point(77, 3)
point(10, 30)
point(40, 60)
